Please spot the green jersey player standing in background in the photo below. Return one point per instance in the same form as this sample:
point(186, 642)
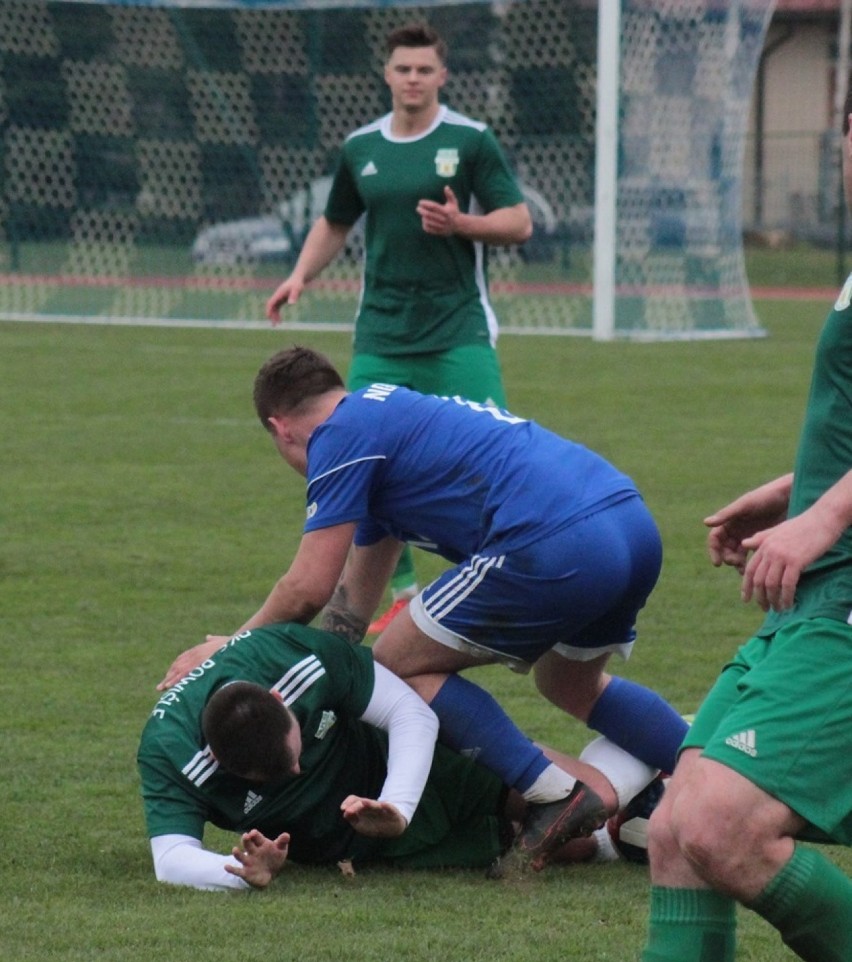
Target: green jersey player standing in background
point(436, 190)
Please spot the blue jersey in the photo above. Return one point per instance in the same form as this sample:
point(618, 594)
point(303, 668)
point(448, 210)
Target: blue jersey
point(451, 476)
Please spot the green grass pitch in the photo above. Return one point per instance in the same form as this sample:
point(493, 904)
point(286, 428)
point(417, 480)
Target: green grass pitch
point(142, 506)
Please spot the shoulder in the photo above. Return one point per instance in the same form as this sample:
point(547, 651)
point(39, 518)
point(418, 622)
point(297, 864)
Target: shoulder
point(454, 119)
point(375, 127)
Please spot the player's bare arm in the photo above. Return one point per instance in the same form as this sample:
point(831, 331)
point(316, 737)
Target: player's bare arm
point(781, 553)
point(261, 859)
point(340, 619)
point(324, 242)
point(359, 591)
point(501, 227)
point(298, 595)
point(308, 584)
point(764, 507)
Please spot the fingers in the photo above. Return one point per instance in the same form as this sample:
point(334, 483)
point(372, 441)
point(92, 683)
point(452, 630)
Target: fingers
point(286, 294)
point(171, 677)
point(273, 308)
point(770, 577)
point(352, 807)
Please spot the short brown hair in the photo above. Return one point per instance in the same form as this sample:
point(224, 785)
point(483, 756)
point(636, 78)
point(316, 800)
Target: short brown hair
point(417, 35)
point(291, 379)
point(246, 726)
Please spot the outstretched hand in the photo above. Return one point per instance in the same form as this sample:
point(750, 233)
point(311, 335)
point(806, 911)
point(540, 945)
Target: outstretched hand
point(260, 858)
point(372, 818)
point(189, 659)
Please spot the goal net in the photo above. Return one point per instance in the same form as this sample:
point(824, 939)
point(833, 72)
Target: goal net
point(162, 160)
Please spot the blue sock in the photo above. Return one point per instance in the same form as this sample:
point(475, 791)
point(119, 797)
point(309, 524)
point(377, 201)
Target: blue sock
point(473, 724)
point(639, 721)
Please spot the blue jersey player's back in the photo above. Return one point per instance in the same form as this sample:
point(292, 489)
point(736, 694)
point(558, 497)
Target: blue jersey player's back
point(450, 475)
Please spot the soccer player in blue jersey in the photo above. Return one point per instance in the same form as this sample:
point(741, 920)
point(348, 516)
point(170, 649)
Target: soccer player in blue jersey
point(437, 191)
point(553, 554)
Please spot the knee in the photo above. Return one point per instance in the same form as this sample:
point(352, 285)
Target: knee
point(714, 838)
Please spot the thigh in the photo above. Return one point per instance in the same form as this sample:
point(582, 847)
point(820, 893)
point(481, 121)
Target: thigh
point(787, 731)
point(381, 369)
point(419, 657)
point(579, 589)
point(471, 371)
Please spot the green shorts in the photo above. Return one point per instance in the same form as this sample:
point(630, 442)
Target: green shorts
point(459, 821)
point(780, 714)
point(471, 371)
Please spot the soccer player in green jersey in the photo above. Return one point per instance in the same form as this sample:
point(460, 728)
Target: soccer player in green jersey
point(768, 760)
point(298, 741)
point(437, 190)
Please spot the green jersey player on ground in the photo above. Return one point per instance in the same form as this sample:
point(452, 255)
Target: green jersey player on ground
point(360, 747)
point(298, 741)
point(436, 189)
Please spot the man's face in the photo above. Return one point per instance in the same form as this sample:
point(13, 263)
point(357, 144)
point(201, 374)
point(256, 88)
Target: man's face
point(289, 444)
point(414, 75)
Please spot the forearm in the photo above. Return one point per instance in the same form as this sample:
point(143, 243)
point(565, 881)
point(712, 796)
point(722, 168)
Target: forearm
point(324, 242)
point(182, 860)
point(834, 507)
point(412, 729)
point(499, 228)
point(776, 494)
point(359, 591)
point(340, 618)
point(284, 603)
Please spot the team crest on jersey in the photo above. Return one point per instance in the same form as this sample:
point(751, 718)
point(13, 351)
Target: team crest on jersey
point(326, 722)
point(844, 298)
point(447, 161)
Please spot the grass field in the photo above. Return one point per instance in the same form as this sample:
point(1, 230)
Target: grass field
point(142, 506)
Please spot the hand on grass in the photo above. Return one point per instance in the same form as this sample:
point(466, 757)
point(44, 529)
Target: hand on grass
point(260, 858)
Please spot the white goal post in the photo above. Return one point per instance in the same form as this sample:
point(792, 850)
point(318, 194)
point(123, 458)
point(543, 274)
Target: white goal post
point(162, 159)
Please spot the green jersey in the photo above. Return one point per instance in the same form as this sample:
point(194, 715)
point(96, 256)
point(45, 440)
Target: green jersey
point(421, 293)
point(327, 684)
point(824, 456)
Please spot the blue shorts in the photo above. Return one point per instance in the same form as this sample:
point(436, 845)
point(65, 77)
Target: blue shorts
point(577, 591)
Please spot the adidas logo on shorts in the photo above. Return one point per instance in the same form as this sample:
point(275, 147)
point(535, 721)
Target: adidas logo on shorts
point(744, 742)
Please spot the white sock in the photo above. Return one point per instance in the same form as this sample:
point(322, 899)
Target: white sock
point(404, 594)
point(551, 785)
point(627, 775)
point(606, 851)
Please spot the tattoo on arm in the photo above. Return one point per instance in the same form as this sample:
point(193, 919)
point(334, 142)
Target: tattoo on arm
point(339, 619)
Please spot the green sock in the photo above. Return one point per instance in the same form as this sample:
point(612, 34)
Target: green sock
point(404, 578)
point(810, 903)
point(690, 925)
